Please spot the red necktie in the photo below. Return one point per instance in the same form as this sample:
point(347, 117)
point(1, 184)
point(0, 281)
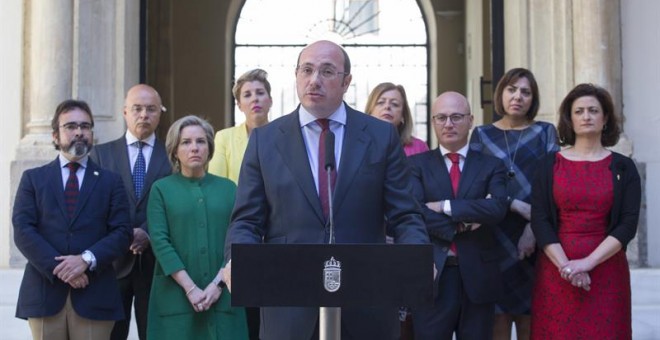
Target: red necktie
point(71, 189)
point(454, 171)
point(455, 176)
point(322, 174)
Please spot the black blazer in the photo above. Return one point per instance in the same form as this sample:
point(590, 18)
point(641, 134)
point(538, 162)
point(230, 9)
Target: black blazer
point(625, 210)
point(277, 202)
point(43, 230)
point(114, 157)
point(478, 251)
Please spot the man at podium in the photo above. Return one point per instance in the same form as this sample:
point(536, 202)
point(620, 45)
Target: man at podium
point(283, 186)
point(464, 196)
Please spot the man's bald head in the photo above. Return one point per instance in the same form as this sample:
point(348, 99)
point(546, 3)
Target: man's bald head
point(452, 120)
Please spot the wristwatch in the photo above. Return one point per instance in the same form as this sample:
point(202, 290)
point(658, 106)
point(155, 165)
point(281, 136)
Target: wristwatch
point(218, 282)
point(88, 257)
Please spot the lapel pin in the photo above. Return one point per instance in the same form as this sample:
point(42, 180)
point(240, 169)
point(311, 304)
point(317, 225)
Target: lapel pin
point(618, 177)
point(96, 173)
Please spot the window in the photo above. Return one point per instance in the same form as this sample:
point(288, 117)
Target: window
point(386, 40)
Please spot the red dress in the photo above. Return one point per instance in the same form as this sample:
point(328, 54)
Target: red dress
point(584, 196)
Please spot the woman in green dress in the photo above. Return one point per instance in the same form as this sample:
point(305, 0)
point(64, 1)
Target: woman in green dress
point(188, 216)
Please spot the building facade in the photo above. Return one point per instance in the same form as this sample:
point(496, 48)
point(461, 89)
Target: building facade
point(96, 50)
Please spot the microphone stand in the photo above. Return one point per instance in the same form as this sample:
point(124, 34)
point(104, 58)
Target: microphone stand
point(330, 317)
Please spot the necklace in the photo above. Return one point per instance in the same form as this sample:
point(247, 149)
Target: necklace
point(512, 173)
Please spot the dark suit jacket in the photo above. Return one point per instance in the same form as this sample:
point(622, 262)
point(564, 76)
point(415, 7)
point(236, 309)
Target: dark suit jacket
point(276, 199)
point(114, 157)
point(478, 251)
point(43, 230)
point(625, 210)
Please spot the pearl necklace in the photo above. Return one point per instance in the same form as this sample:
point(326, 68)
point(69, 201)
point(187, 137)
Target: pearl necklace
point(512, 173)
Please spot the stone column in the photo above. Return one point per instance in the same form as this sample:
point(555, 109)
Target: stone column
point(597, 51)
point(48, 76)
point(50, 70)
point(597, 44)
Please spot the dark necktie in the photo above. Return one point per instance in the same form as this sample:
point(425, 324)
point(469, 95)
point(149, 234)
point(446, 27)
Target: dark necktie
point(322, 174)
point(139, 170)
point(455, 176)
point(71, 189)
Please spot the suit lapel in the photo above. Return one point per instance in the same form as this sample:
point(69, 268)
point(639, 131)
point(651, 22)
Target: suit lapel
point(92, 173)
point(469, 173)
point(291, 147)
point(439, 173)
point(354, 149)
point(120, 153)
point(57, 186)
point(157, 162)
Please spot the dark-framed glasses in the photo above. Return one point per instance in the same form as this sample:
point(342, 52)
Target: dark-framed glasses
point(455, 118)
point(150, 109)
point(323, 72)
point(73, 126)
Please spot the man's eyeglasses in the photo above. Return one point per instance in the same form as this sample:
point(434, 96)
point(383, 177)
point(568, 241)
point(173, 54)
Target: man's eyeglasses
point(324, 72)
point(73, 126)
point(151, 109)
point(454, 118)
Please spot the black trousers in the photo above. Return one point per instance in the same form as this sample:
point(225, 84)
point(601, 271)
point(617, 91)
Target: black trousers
point(453, 312)
point(135, 289)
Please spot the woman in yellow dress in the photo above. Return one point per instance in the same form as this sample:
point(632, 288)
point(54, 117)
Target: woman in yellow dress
point(252, 94)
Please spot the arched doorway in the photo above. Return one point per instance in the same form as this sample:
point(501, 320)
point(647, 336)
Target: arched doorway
point(192, 54)
point(386, 40)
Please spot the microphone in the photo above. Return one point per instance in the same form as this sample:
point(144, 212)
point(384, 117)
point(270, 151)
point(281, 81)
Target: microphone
point(329, 141)
point(329, 165)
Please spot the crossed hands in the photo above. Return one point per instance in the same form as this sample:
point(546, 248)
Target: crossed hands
point(71, 270)
point(577, 273)
point(202, 300)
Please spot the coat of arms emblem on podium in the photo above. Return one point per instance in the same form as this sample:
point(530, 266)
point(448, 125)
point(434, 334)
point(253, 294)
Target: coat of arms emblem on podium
point(332, 275)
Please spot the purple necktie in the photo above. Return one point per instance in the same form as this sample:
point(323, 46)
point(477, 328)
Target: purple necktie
point(322, 174)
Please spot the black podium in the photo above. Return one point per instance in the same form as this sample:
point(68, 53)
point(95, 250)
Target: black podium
point(332, 275)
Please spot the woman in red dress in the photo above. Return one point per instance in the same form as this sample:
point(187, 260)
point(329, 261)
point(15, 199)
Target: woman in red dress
point(585, 208)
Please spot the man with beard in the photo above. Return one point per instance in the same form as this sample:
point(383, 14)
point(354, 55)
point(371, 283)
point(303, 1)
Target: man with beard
point(140, 158)
point(71, 221)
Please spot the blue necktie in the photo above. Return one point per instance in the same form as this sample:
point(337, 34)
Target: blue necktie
point(71, 189)
point(139, 170)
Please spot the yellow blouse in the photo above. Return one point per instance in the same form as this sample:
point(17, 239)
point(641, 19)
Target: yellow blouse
point(230, 144)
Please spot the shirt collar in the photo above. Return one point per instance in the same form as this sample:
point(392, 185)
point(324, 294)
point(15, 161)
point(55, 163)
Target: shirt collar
point(338, 116)
point(462, 151)
point(64, 161)
point(130, 139)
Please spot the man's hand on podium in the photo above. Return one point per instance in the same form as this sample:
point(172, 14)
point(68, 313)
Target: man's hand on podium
point(226, 275)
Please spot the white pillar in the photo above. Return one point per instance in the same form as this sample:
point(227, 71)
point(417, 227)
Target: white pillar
point(87, 50)
point(597, 44)
point(597, 51)
point(50, 67)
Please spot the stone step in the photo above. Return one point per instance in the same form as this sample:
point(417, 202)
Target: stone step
point(645, 287)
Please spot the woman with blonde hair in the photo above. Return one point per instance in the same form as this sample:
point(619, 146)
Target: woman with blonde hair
point(188, 216)
point(388, 102)
point(252, 94)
